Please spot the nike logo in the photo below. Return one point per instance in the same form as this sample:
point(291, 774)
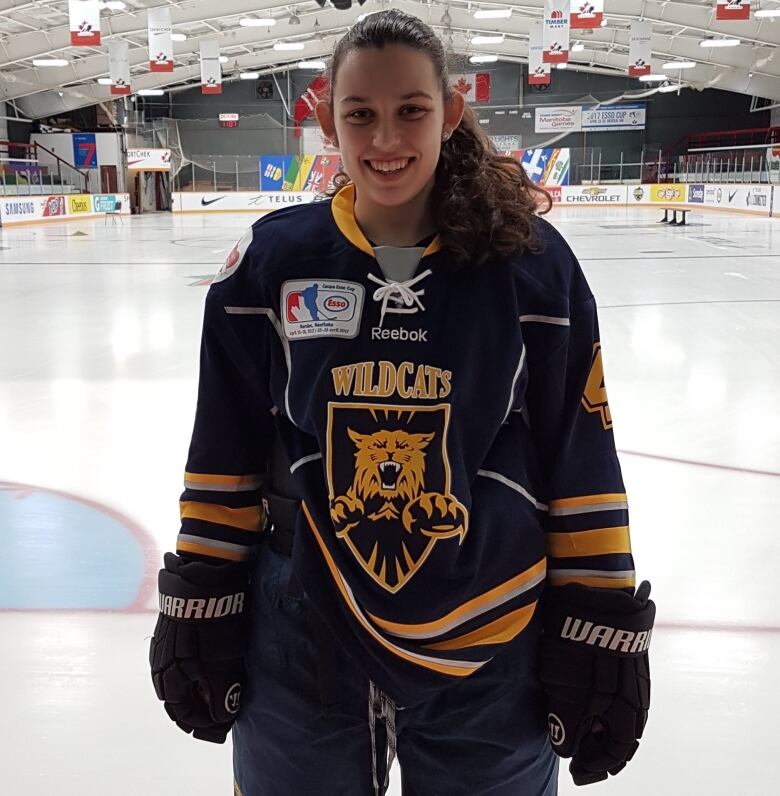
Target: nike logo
point(205, 201)
point(732, 194)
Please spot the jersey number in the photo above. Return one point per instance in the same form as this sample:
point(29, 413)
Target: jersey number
point(595, 397)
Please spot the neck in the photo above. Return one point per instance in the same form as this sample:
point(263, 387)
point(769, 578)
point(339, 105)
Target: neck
point(395, 226)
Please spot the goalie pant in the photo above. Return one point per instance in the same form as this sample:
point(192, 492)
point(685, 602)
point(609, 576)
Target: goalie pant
point(446, 475)
point(302, 725)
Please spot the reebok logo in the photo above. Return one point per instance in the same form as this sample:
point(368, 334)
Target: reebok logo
point(606, 637)
point(196, 608)
point(404, 335)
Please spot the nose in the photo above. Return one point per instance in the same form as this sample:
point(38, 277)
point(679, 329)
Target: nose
point(386, 136)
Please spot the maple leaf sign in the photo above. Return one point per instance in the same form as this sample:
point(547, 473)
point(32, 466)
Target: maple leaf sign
point(463, 86)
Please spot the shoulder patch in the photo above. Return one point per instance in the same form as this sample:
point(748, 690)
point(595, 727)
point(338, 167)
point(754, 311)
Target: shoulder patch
point(235, 258)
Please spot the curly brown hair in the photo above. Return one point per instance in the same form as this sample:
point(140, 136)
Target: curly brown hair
point(485, 202)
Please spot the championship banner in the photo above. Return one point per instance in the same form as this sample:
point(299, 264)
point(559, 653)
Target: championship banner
point(538, 71)
point(119, 67)
point(160, 44)
point(586, 15)
point(732, 9)
point(84, 18)
point(640, 48)
point(210, 70)
point(555, 34)
point(475, 87)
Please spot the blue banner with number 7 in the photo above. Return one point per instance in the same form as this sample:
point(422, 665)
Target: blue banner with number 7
point(85, 151)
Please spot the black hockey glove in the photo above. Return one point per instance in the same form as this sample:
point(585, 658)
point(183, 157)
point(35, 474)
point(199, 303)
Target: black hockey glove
point(196, 653)
point(595, 672)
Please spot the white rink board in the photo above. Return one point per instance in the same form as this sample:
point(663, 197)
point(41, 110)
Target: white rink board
point(27, 209)
point(238, 201)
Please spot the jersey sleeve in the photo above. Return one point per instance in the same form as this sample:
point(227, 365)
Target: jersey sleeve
point(221, 508)
point(587, 537)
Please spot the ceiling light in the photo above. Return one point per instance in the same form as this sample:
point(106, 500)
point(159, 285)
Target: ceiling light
point(578, 48)
point(320, 65)
point(249, 75)
point(105, 81)
point(493, 13)
point(251, 22)
point(289, 45)
point(223, 59)
point(178, 37)
point(488, 39)
point(483, 59)
point(562, 65)
point(767, 12)
point(604, 22)
point(668, 89)
point(151, 92)
point(720, 43)
point(49, 62)
point(679, 65)
point(652, 78)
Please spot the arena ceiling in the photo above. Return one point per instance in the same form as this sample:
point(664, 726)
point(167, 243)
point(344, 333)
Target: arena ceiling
point(36, 28)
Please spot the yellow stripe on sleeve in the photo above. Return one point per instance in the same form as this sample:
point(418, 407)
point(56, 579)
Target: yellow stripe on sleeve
point(588, 500)
point(498, 632)
point(251, 518)
point(213, 552)
point(583, 580)
point(596, 542)
point(230, 483)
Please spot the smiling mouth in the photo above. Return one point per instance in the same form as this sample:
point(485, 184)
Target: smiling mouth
point(389, 167)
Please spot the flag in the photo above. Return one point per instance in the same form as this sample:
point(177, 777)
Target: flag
point(160, 45)
point(119, 67)
point(586, 15)
point(475, 86)
point(555, 34)
point(210, 70)
point(640, 46)
point(732, 9)
point(538, 71)
point(305, 104)
point(84, 16)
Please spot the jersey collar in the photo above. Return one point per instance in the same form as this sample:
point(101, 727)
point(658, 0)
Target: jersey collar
point(343, 208)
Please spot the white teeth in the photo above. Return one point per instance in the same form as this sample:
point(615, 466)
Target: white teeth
point(387, 166)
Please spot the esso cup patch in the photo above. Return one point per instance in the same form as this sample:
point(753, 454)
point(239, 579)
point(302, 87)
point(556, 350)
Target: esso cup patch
point(235, 258)
point(321, 308)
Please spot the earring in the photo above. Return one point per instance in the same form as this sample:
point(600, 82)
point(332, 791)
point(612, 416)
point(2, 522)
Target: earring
point(445, 136)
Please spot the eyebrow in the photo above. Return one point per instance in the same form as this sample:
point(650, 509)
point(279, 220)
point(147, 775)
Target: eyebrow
point(410, 95)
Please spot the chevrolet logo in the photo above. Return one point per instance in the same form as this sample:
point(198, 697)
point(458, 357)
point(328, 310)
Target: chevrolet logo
point(593, 191)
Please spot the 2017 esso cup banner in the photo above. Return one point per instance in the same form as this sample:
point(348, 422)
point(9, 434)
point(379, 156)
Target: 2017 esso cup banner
point(239, 201)
point(609, 118)
point(578, 195)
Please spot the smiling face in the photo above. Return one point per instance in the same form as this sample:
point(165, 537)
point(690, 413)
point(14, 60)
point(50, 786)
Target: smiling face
point(388, 114)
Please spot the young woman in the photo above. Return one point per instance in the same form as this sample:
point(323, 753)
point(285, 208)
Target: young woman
point(407, 380)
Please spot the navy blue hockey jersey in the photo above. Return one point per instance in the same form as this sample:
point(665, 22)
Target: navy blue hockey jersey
point(450, 436)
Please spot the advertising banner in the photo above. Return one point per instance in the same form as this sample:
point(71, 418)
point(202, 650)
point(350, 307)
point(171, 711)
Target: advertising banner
point(210, 70)
point(85, 151)
point(558, 119)
point(119, 67)
point(696, 194)
point(668, 192)
point(538, 70)
point(732, 9)
point(103, 202)
point(607, 118)
point(555, 33)
point(79, 203)
point(594, 195)
point(149, 159)
point(547, 166)
point(84, 18)
point(238, 201)
point(586, 15)
point(640, 47)
point(160, 44)
point(746, 198)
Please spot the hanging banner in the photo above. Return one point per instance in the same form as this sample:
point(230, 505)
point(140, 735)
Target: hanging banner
point(84, 18)
point(732, 9)
point(307, 102)
point(610, 118)
point(555, 34)
point(160, 44)
point(210, 70)
point(586, 16)
point(538, 71)
point(119, 67)
point(640, 47)
point(475, 87)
